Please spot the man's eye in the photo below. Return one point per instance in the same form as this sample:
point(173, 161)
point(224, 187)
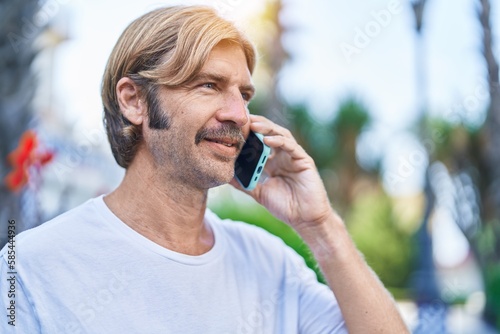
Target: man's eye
point(209, 85)
point(246, 96)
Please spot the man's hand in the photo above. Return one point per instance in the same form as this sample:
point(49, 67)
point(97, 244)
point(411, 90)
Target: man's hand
point(294, 193)
point(293, 190)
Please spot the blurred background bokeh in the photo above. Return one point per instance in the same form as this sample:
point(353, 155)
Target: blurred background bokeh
point(397, 101)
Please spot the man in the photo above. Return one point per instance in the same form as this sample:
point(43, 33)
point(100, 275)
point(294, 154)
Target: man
point(149, 257)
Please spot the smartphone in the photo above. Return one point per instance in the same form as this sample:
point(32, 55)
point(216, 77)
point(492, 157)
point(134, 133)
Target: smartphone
point(250, 163)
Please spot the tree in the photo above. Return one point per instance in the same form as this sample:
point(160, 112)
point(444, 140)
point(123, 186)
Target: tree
point(472, 157)
point(490, 187)
point(489, 176)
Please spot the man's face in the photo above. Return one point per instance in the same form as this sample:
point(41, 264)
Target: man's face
point(209, 121)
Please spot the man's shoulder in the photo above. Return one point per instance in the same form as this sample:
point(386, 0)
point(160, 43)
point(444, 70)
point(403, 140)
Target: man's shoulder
point(56, 231)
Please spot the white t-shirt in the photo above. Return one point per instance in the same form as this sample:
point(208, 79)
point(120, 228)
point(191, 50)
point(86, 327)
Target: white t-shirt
point(87, 272)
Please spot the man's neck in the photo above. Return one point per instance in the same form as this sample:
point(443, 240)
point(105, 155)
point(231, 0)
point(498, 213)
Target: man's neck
point(171, 215)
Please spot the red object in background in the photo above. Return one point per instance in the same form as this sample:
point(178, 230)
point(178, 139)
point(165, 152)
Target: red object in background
point(22, 158)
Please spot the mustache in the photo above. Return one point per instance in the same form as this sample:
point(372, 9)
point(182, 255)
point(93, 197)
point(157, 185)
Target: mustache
point(225, 130)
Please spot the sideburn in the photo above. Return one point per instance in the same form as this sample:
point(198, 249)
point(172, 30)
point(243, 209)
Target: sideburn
point(157, 119)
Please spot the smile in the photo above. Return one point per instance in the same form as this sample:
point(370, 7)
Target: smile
point(229, 142)
point(220, 142)
point(222, 147)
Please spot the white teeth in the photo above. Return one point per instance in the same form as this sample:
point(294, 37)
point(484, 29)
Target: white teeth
point(225, 144)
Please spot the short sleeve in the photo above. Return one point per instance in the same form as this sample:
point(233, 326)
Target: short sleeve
point(17, 312)
point(319, 312)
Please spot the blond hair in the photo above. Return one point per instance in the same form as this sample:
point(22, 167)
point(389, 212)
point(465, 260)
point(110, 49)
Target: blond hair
point(167, 46)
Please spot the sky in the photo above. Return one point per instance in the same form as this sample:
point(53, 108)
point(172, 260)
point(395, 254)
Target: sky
point(383, 71)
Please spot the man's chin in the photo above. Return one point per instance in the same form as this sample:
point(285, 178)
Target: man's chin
point(220, 180)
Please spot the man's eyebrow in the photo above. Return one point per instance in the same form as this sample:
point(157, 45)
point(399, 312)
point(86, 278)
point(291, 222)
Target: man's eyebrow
point(207, 76)
point(248, 88)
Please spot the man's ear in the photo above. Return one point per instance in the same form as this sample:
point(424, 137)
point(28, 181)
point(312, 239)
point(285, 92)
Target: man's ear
point(129, 100)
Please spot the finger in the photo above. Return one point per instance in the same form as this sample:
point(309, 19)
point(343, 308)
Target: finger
point(262, 125)
point(258, 118)
point(288, 145)
point(272, 154)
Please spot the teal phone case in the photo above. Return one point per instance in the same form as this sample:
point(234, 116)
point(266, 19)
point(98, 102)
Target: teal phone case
point(260, 165)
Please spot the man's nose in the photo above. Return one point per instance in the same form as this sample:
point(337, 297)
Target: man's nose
point(234, 110)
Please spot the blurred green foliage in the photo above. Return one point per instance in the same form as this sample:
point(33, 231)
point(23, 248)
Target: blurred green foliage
point(377, 233)
point(486, 247)
point(492, 290)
